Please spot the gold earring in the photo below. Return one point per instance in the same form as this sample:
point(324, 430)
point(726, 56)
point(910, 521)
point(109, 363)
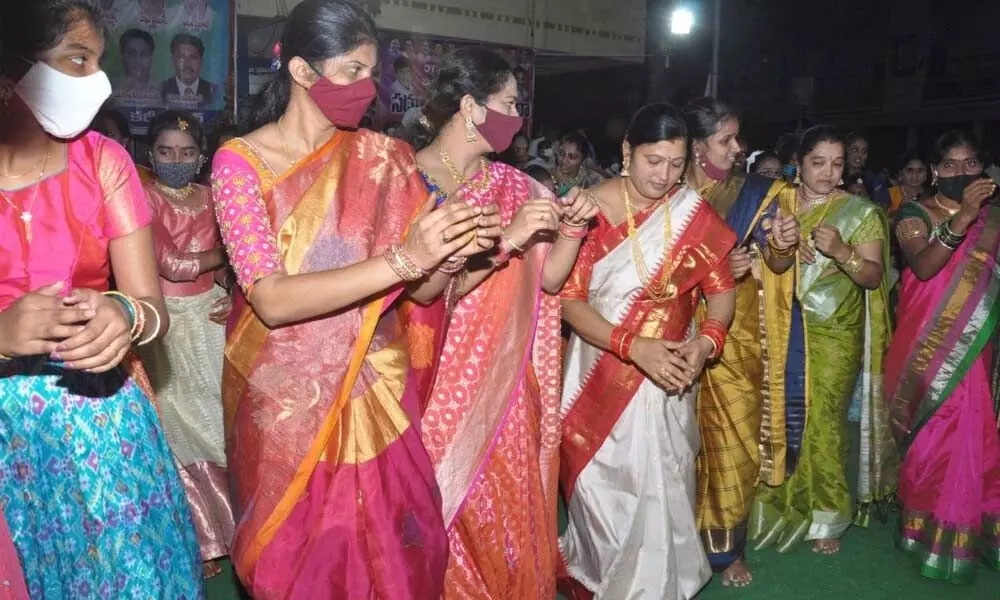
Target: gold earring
point(626, 159)
point(797, 180)
point(470, 131)
point(841, 184)
point(625, 165)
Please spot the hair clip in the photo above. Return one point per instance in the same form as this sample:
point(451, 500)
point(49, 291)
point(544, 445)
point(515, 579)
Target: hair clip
point(276, 57)
point(426, 123)
point(182, 124)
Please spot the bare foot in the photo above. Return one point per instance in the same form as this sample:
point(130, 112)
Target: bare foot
point(211, 569)
point(737, 575)
point(827, 547)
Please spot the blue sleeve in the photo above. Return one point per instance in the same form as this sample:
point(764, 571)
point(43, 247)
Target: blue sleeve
point(747, 204)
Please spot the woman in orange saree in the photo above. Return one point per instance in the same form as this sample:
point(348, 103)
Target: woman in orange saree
point(630, 436)
point(335, 492)
point(491, 423)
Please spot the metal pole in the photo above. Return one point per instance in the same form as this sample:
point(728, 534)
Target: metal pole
point(717, 33)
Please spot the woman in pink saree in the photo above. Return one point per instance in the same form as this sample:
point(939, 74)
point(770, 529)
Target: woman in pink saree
point(491, 424)
point(326, 227)
point(939, 372)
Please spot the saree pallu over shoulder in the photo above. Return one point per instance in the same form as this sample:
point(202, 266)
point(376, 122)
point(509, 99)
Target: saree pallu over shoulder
point(318, 414)
point(598, 385)
point(957, 326)
point(837, 318)
point(729, 398)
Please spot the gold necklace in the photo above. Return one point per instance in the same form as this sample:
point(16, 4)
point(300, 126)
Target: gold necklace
point(25, 174)
point(659, 291)
point(480, 185)
point(951, 211)
point(284, 145)
point(25, 215)
point(182, 194)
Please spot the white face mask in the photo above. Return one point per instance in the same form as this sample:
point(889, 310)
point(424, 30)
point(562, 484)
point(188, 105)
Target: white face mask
point(64, 105)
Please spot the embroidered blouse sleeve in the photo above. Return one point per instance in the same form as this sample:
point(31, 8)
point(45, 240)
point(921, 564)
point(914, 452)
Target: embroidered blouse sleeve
point(126, 209)
point(243, 219)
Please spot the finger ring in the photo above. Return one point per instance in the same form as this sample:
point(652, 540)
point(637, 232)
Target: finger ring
point(444, 237)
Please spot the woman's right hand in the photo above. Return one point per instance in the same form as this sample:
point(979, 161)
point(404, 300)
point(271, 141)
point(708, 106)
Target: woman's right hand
point(532, 217)
point(659, 360)
point(36, 322)
point(440, 233)
point(973, 197)
point(739, 262)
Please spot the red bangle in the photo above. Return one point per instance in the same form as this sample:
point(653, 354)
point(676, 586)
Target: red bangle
point(572, 233)
point(716, 332)
point(621, 343)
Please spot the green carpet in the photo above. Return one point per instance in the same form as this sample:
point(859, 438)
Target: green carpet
point(868, 567)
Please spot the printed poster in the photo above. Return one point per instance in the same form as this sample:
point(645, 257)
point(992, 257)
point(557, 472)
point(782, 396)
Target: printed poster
point(409, 64)
point(167, 54)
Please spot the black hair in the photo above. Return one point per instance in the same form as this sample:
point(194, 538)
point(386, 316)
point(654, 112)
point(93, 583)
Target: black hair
point(316, 30)
point(906, 158)
point(114, 115)
point(400, 63)
point(656, 123)
point(177, 120)
point(186, 39)
point(854, 136)
point(538, 173)
point(760, 158)
point(470, 71)
point(705, 115)
point(954, 139)
point(220, 131)
point(30, 27)
point(815, 136)
point(786, 146)
point(136, 34)
point(578, 140)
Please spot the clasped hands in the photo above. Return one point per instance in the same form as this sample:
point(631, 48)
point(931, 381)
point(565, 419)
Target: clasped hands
point(674, 366)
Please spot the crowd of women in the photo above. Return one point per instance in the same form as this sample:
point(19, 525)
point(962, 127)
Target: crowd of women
point(357, 384)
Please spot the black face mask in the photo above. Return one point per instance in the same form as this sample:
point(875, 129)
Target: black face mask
point(953, 188)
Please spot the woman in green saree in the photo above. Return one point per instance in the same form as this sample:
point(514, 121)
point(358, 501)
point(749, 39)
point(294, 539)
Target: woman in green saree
point(826, 325)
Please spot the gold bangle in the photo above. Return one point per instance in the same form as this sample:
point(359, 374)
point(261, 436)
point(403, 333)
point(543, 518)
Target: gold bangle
point(854, 263)
point(513, 246)
point(4, 358)
point(780, 252)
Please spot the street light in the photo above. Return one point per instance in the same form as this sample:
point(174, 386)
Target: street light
point(681, 21)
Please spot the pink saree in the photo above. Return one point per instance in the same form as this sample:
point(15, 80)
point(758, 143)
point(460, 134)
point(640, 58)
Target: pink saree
point(939, 379)
point(492, 422)
point(335, 491)
point(11, 579)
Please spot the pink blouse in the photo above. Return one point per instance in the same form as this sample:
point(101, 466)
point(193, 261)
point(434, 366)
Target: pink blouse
point(243, 219)
point(75, 215)
point(180, 232)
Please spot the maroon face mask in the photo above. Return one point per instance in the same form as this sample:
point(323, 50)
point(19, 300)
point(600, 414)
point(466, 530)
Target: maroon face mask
point(343, 105)
point(499, 129)
point(713, 171)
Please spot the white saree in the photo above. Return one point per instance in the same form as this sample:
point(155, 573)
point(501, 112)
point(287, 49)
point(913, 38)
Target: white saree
point(632, 532)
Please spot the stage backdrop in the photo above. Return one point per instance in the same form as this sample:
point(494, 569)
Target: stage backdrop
point(167, 54)
point(410, 63)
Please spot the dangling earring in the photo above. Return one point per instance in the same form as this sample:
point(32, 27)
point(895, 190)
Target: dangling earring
point(626, 159)
point(470, 131)
point(841, 184)
point(625, 164)
point(797, 180)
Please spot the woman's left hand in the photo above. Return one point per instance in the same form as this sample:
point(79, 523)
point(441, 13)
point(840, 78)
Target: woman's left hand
point(578, 206)
point(829, 243)
point(696, 352)
point(104, 340)
point(221, 309)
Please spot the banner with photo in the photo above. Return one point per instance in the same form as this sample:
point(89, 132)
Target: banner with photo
point(410, 64)
point(167, 54)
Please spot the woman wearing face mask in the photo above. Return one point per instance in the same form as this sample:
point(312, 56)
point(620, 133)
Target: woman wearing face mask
point(491, 424)
point(92, 496)
point(571, 169)
point(764, 163)
point(326, 227)
point(912, 179)
point(185, 367)
point(729, 403)
point(630, 437)
point(825, 295)
point(940, 382)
